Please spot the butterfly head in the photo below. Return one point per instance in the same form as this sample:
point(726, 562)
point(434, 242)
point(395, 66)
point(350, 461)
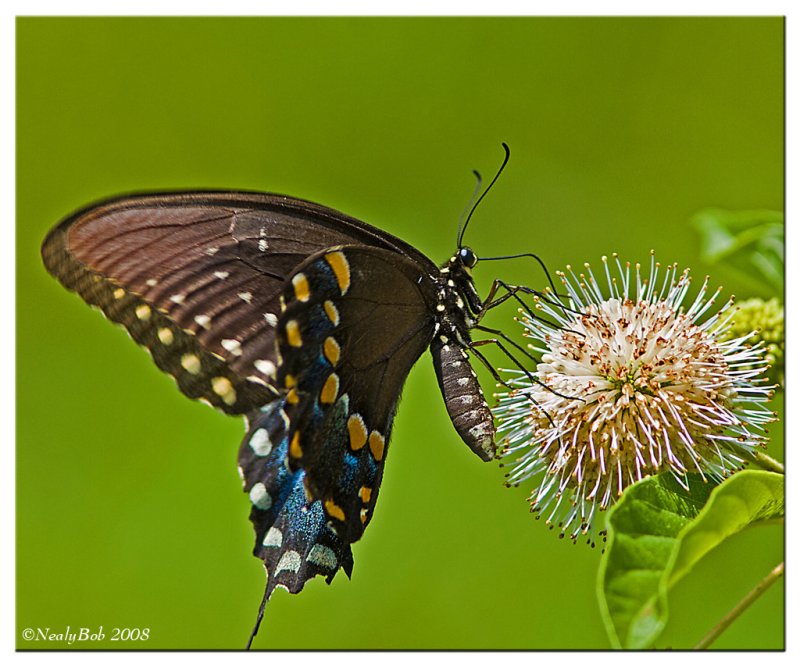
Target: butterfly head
point(467, 258)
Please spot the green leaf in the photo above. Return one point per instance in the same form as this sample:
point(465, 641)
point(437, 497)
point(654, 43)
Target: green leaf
point(658, 531)
point(751, 241)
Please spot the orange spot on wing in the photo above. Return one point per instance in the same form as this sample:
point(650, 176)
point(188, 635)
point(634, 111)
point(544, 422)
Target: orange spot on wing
point(294, 448)
point(357, 431)
point(334, 510)
point(332, 312)
point(330, 389)
point(332, 350)
point(341, 269)
point(301, 289)
point(377, 444)
point(293, 333)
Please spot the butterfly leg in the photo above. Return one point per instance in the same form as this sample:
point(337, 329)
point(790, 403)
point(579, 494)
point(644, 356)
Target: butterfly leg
point(498, 332)
point(499, 379)
point(513, 291)
point(513, 358)
point(492, 300)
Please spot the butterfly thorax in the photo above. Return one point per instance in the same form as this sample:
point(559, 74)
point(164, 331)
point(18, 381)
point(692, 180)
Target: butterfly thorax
point(459, 302)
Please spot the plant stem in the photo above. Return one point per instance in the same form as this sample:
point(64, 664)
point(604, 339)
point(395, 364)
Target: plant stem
point(743, 605)
point(768, 462)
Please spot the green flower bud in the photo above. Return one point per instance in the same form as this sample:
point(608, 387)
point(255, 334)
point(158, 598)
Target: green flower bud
point(762, 321)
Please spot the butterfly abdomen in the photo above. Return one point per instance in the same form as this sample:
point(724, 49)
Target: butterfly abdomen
point(463, 396)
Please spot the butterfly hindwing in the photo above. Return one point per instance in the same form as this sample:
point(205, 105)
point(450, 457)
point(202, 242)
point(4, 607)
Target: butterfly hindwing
point(292, 535)
point(355, 321)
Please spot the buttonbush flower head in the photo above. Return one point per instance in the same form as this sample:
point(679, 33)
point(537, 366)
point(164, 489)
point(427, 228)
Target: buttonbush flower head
point(632, 382)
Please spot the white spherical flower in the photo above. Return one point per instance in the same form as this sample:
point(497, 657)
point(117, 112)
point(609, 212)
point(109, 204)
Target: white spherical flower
point(631, 383)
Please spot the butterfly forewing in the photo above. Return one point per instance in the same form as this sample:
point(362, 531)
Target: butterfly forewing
point(196, 278)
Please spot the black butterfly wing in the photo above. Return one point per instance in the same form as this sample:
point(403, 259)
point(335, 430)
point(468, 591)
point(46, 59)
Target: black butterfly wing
point(355, 321)
point(196, 278)
point(365, 316)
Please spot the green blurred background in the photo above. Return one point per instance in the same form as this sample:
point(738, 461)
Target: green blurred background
point(129, 508)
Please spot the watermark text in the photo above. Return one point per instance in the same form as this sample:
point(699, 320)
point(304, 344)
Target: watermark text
point(83, 635)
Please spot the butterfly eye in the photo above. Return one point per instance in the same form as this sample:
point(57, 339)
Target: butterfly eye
point(468, 257)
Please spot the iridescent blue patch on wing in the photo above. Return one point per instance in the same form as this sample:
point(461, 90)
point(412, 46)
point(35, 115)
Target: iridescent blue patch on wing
point(292, 535)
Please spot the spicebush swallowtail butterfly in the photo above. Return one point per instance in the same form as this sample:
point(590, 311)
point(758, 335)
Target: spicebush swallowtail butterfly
point(301, 319)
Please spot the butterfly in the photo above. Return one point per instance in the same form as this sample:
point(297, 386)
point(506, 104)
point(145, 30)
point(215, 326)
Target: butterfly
point(301, 319)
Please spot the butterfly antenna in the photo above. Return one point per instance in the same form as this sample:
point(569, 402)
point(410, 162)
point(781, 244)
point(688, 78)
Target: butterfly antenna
point(260, 615)
point(485, 192)
point(468, 207)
